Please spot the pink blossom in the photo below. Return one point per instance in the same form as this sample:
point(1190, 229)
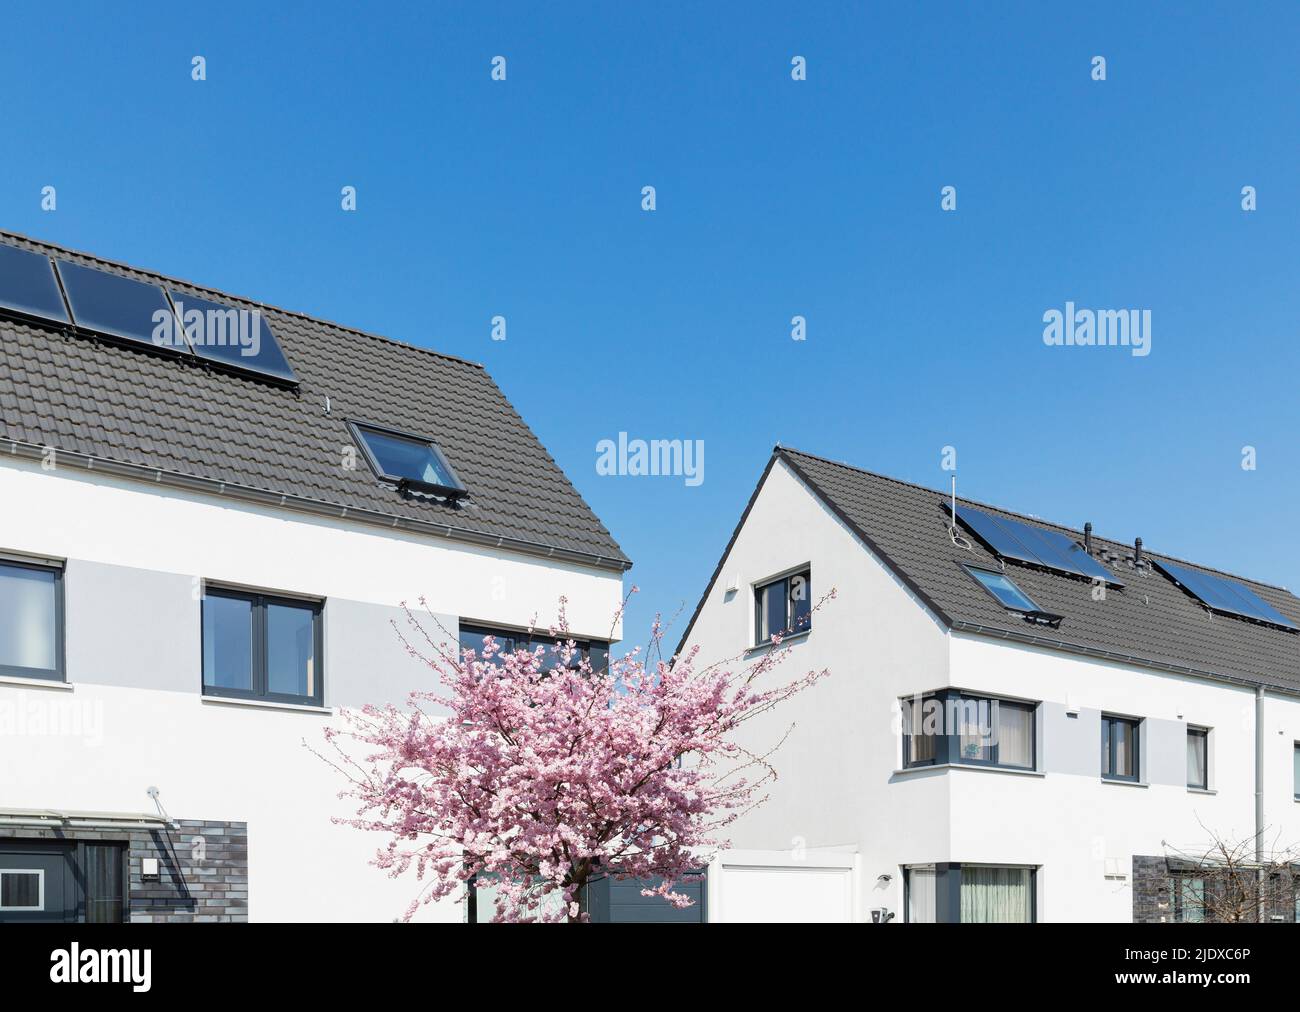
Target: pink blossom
point(544, 781)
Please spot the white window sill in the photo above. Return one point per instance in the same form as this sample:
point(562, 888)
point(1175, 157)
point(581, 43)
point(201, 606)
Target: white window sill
point(1123, 783)
point(792, 638)
point(971, 766)
point(35, 683)
point(265, 704)
point(1201, 790)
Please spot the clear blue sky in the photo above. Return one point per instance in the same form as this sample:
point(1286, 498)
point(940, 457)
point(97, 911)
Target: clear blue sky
point(775, 198)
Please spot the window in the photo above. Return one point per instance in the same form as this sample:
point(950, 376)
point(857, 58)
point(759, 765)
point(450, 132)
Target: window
point(996, 895)
point(920, 740)
point(1198, 739)
point(31, 620)
point(1000, 586)
point(1119, 748)
point(956, 727)
point(22, 889)
point(783, 606)
point(1187, 899)
point(410, 461)
point(1295, 771)
point(594, 651)
point(919, 884)
point(969, 894)
point(261, 647)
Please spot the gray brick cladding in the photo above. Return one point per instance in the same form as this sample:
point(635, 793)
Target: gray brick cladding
point(202, 868)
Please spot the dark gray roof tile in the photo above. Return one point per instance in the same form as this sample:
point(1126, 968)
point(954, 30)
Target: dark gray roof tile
point(134, 406)
point(1150, 622)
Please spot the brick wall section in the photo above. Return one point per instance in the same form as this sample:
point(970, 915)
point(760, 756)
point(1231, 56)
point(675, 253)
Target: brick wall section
point(202, 873)
point(202, 868)
point(1151, 901)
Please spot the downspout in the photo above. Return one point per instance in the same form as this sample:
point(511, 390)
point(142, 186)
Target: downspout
point(1259, 805)
point(1259, 775)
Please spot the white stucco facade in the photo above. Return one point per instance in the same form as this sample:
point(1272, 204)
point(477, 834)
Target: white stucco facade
point(132, 715)
point(843, 787)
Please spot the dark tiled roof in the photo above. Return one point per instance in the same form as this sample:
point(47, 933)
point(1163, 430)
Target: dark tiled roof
point(149, 411)
point(1151, 621)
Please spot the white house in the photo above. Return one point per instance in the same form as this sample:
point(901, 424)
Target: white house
point(206, 531)
point(1022, 721)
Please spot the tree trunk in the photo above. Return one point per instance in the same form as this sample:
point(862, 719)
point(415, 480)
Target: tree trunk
point(582, 899)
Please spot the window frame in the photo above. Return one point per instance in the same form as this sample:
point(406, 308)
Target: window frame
point(1295, 775)
point(804, 571)
point(1178, 883)
point(944, 744)
point(1195, 731)
point(1033, 609)
point(360, 427)
point(908, 871)
point(40, 890)
point(1108, 721)
point(259, 600)
point(59, 672)
point(591, 650)
point(948, 885)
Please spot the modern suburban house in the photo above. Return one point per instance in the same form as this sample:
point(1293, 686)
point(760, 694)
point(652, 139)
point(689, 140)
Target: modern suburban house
point(210, 511)
point(1022, 721)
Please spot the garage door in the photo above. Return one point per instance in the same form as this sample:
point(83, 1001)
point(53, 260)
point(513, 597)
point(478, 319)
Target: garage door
point(757, 886)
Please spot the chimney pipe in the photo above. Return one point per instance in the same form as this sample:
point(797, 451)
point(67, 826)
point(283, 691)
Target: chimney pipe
point(1137, 552)
point(1087, 537)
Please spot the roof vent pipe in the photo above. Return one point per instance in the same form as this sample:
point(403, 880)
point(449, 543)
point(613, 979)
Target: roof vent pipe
point(1137, 552)
point(1087, 537)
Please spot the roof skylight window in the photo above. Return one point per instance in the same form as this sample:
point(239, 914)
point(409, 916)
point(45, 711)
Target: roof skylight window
point(408, 460)
point(1007, 593)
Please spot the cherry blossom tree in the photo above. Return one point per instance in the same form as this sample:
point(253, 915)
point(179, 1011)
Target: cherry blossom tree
point(545, 780)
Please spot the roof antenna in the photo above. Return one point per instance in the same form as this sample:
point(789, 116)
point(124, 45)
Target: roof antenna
point(956, 538)
point(327, 404)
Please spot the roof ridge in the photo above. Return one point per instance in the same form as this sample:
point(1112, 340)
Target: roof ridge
point(241, 298)
point(779, 449)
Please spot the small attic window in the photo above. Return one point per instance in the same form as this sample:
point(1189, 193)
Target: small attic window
point(407, 460)
point(1007, 593)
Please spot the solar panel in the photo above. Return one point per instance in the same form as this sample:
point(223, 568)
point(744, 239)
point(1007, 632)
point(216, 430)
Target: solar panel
point(28, 285)
point(119, 307)
point(1071, 555)
point(993, 533)
point(240, 338)
point(1222, 594)
point(1012, 539)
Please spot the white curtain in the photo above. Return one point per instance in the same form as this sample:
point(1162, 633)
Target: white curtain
point(1015, 735)
point(27, 634)
point(1196, 760)
point(1123, 749)
point(995, 895)
point(920, 895)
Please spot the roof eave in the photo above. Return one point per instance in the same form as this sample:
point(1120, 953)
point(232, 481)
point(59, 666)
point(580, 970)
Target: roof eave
point(317, 507)
point(1119, 657)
